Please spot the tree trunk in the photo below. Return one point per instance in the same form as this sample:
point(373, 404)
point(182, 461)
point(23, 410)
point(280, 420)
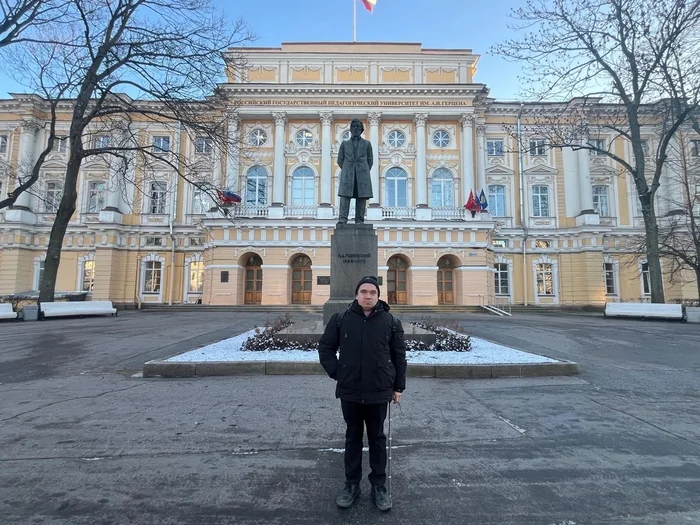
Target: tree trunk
point(656, 283)
point(697, 280)
point(47, 287)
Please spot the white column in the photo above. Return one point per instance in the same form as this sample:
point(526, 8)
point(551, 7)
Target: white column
point(278, 174)
point(674, 172)
point(326, 160)
point(421, 161)
point(480, 160)
point(27, 150)
point(467, 122)
point(584, 181)
point(232, 160)
point(374, 119)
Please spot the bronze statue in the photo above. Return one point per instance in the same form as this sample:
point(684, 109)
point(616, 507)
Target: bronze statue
point(355, 159)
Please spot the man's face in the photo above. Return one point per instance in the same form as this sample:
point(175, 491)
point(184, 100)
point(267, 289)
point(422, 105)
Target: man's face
point(367, 296)
point(356, 129)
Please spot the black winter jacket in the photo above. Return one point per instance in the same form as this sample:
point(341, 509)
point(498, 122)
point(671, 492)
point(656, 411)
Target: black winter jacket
point(372, 361)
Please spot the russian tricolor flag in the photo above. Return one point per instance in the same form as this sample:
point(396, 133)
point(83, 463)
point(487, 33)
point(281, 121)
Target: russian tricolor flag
point(369, 4)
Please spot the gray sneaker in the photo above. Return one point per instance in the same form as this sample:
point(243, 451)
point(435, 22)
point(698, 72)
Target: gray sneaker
point(348, 495)
point(381, 498)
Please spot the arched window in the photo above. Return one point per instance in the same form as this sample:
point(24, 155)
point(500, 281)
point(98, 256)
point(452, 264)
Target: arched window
point(442, 188)
point(396, 187)
point(497, 200)
point(303, 187)
point(256, 186)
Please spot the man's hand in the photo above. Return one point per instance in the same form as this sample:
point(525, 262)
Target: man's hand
point(396, 397)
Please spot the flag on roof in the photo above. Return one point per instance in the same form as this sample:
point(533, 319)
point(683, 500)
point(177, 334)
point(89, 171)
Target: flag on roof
point(369, 4)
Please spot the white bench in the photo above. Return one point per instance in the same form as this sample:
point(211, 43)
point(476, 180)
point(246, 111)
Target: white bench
point(646, 310)
point(6, 311)
point(77, 308)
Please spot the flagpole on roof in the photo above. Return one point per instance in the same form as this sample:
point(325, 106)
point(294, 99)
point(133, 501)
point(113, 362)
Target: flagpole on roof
point(354, 20)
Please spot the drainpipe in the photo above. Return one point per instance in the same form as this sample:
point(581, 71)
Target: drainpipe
point(173, 216)
point(523, 217)
point(137, 291)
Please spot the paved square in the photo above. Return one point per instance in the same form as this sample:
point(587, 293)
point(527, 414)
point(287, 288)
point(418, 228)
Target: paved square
point(82, 441)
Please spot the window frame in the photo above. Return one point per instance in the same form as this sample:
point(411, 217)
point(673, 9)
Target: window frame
point(308, 195)
point(597, 143)
point(260, 139)
point(51, 204)
point(157, 143)
point(537, 210)
point(60, 145)
point(197, 266)
point(603, 211)
point(538, 147)
point(542, 270)
point(492, 199)
point(443, 182)
point(444, 135)
point(499, 269)
point(609, 278)
point(91, 280)
point(4, 143)
point(199, 197)
point(153, 208)
point(260, 175)
point(396, 138)
point(389, 180)
point(304, 138)
point(100, 141)
point(343, 136)
point(646, 279)
point(100, 202)
point(203, 146)
point(156, 284)
point(492, 150)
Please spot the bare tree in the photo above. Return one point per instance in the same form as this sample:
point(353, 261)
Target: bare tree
point(23, 20)
point(125, 64)
point(639, 58)
point(679, 233)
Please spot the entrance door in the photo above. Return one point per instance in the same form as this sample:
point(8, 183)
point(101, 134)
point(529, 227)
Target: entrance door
point(445, 281)
point(301, 280)
point(253, 280)
point(396, 281)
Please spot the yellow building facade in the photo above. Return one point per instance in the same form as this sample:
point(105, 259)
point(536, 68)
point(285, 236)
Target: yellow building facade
point(560, 226)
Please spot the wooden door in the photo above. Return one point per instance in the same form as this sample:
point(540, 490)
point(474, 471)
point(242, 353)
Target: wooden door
point(301, 280)
point(445, 286)
point(397, 289)
point(253, 285)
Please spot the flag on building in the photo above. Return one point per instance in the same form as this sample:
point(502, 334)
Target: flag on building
point(483, 203)
point(227, 197)
point(369, 4)
point(471, 204)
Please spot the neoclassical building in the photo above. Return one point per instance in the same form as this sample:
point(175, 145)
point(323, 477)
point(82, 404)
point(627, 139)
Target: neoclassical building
point(437, 137)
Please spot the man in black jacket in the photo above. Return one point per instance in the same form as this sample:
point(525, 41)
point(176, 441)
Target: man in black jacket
point(370, 373)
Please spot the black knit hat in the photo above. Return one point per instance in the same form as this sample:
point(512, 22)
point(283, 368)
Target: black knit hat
point(371, 280)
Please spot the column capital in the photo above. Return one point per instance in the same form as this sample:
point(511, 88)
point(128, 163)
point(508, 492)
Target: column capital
point(467, 120)
point(420, 119)
point(280, 118)
point(374, 117)
point(480, 130)
point(30, 125)
point(326, 118)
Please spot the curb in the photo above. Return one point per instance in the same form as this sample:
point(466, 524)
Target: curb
point(169, 369)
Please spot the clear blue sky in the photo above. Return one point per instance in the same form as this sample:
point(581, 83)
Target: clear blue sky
point(433, 23)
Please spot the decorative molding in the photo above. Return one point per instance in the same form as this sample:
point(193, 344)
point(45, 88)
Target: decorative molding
point(420, 119)
point(309, 252)
point(399, 251)
point(467, 120)
point(326, 118)
point(280, 118)
point(374, 118)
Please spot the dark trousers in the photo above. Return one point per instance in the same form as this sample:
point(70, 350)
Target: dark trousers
point(357, 416)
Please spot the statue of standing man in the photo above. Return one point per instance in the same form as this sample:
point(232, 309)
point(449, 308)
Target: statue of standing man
point(355, 159)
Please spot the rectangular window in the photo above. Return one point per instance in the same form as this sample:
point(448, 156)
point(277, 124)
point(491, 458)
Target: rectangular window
point(540, 201)
point(645, 147)
point(161, 144)
point(609, 278)
point(96, 197)
point(88, 276)
point(196, 241)
point(601, 201)
point(203, 146)
point(154, 241)
point(3, 144)
point(52, 196)
point(60, 145)
point(497, 200)
point(196, 276)
point(201, 202)
point(500, 243)
point(494, 147)
point(100, 142)
point(40, 274)
point(545, 280)
point(501, 278)
point(646, 281)
point(599, 144)
point(695, 148)
point(151, 277)
point(539, 243)
point(158, 195)
point(538, 147)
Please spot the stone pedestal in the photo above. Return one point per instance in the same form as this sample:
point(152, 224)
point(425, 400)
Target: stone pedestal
point(353, 256)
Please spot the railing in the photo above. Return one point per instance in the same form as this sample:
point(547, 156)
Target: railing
point(249, 210)
point(449, 214)
point(608, 221)
point(495, 304)
point(161, 219)
point(398, 213)
point(300, 212)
